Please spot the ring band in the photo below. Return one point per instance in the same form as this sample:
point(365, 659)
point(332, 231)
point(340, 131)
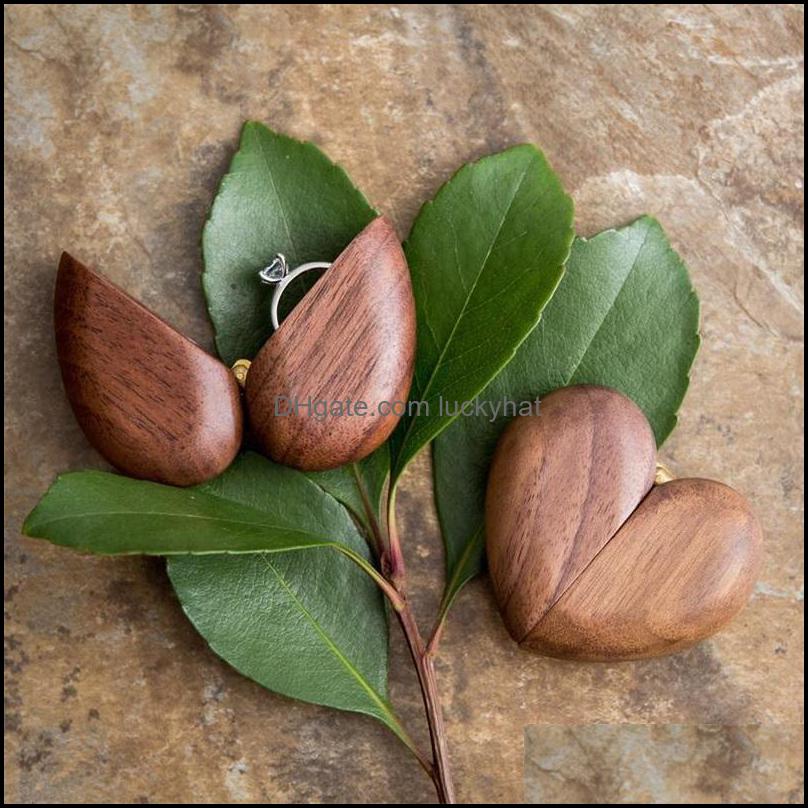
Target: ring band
point(277, 273)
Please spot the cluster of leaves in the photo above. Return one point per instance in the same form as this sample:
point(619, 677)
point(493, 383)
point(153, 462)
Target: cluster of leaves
point(270, 563)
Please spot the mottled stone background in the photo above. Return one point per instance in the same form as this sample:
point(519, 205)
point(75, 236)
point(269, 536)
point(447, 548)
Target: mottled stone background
point(119, 120)
point(667, 764)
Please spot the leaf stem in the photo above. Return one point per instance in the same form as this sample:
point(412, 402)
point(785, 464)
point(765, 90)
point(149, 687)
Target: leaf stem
point(423, 660)
point(425, 670)
point(377, 539)
point(395, 558)
point(393, 582)
point(437, 632)
point(397, 602)
point(392, 594)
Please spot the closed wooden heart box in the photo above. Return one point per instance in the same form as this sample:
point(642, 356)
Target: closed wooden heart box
point(588, 558)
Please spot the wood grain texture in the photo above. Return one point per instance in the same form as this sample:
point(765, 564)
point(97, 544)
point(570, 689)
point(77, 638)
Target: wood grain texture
point(151, 401)
point(561, 483)
point(680, 568)
point(352, 337)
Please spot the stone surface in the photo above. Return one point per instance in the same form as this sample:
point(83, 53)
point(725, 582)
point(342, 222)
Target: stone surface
point(613, 764)
point(119, 123)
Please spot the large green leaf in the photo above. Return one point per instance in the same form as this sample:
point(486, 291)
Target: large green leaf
point(308, 624)
point(485, 256)
point(280, 195)
point(99, 512)
point(624, 316)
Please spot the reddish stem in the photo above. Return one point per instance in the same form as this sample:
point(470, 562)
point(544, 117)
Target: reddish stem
point(423, 659)
point(393, 582)
point(425, 669)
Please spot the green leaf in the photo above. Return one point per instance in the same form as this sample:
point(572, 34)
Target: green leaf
point(624, 316)
point(308, 624)
point(485, 256)
point(99, 512)
point(280, 195)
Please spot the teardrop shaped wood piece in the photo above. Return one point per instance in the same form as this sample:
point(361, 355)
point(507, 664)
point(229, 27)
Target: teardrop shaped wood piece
point(561, 484)
point(151, 401)
point(680, 568)
point(351, 339)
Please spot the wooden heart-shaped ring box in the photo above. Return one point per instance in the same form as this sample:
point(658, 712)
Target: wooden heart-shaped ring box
point(591, 560)
point(158, 407)
point(349, 343)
